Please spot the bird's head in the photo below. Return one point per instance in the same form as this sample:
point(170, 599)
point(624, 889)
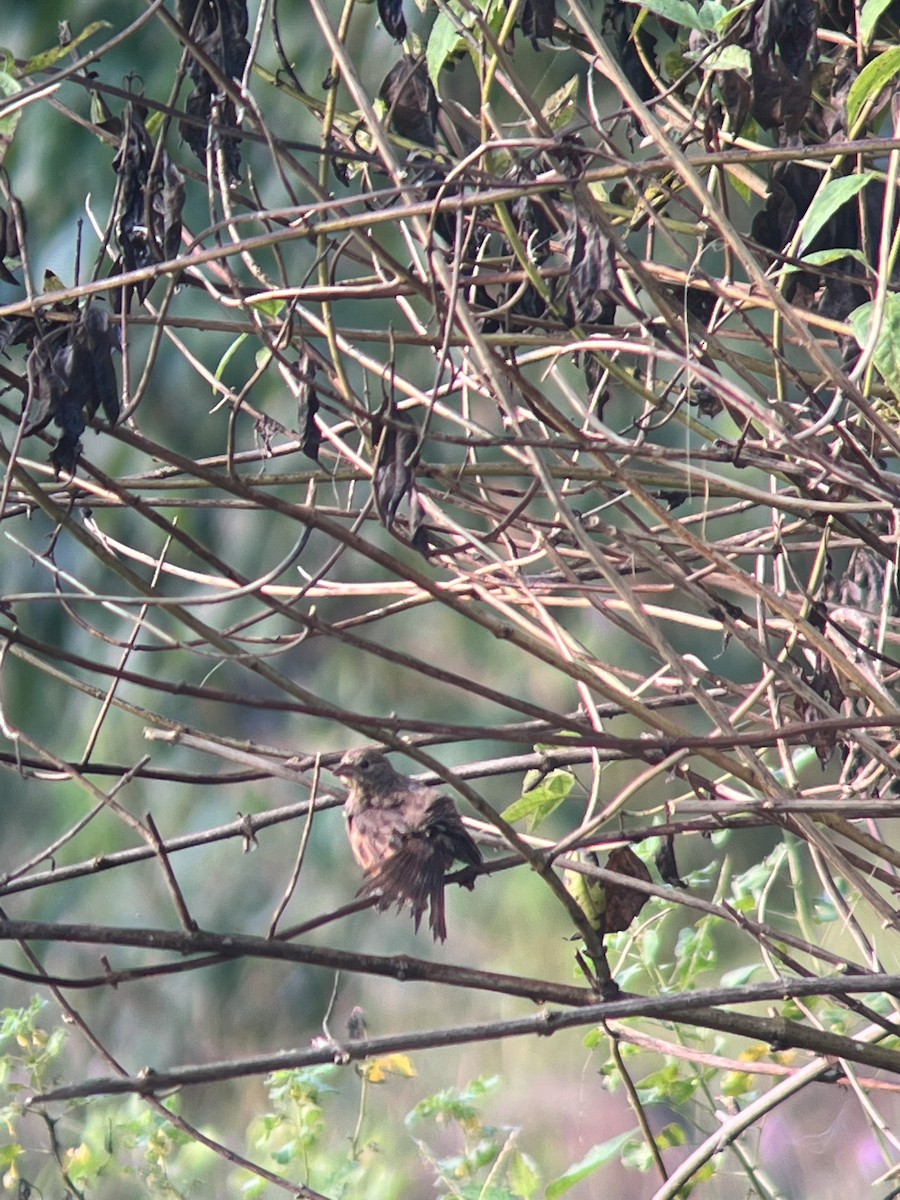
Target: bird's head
point(370, 771)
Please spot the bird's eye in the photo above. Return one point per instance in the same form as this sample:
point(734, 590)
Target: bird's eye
point(364, 763)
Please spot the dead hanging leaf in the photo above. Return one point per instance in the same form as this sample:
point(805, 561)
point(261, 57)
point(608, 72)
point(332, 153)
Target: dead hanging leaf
point(537, 19)
point(264, 430)
point(219, 28)
point(43, 384)
point(396, 454)
point(622, 902)
point(70, 375)
point(101, 337)
point(132, 164)
point(672, 500)
point(634, 50)
point(788, 27)
point(736, 95)
point(390, 13)
point(431, 177)
point(148, 224)
point(420, 536)
point(9, 242)
point(356, 1024)
point(782, 40)
point(411, 101)
point(307, 407)
point(168, 203)
point(592, 274)
point(666, 864)
point(15, 331)
point(819, 675)
point(862, 586)
point(705, 400)
point(535, 220)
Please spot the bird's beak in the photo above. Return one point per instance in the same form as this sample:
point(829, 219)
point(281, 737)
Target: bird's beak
point(342, 770)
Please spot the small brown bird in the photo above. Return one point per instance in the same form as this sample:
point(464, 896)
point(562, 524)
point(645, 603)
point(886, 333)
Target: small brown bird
point(404, 835)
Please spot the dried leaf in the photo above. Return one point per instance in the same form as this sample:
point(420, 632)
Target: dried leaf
point(624, 903)
point(148, 226)
point(101, 337)
point(391, 14)
point(592, 274)
point(788, 27)
point(9, 234)
point(666, 864)
point(537, 19)
point(782, 43)
point(395, 460)
point(70, 375)
point(15, 331)
point(862, 586)
point(307, 407)
point(419, 536)
point(40, 401)
point(9, 244)
point(168, 203)
point(430, 176)
point(219, 28)
point(411, 100)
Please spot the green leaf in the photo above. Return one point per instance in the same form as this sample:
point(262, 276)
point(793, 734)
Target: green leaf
point(672, 1084)
point(730, 15)
point(8, 87)
point(650, 948)
point(271, 307)
point(596, 1157)
point(737, 1083)
point(49, 58)
point(154, 124)
point(446, 41)
point(724, 58)
point(887, 350)
point(871, 14)
point(559, 108)
point(739, 975)
point(539, 802)
point(742, 188)
point(678, 11)
point(711, 14)
point(825, 910)
point(524, 1178)
point(833, 196)
point(822, 258)
point(589, 894)
point(870, 81)
point(671, 1135)
point(228, 356)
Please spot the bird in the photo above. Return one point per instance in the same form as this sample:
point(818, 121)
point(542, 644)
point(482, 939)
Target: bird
point(404, 835)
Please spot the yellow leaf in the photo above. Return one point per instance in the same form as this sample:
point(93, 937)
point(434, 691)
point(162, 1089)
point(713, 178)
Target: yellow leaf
point(378, 1069)
point(755, 1053)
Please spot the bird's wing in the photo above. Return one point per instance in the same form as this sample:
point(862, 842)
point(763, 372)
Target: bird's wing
point(443, 826)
